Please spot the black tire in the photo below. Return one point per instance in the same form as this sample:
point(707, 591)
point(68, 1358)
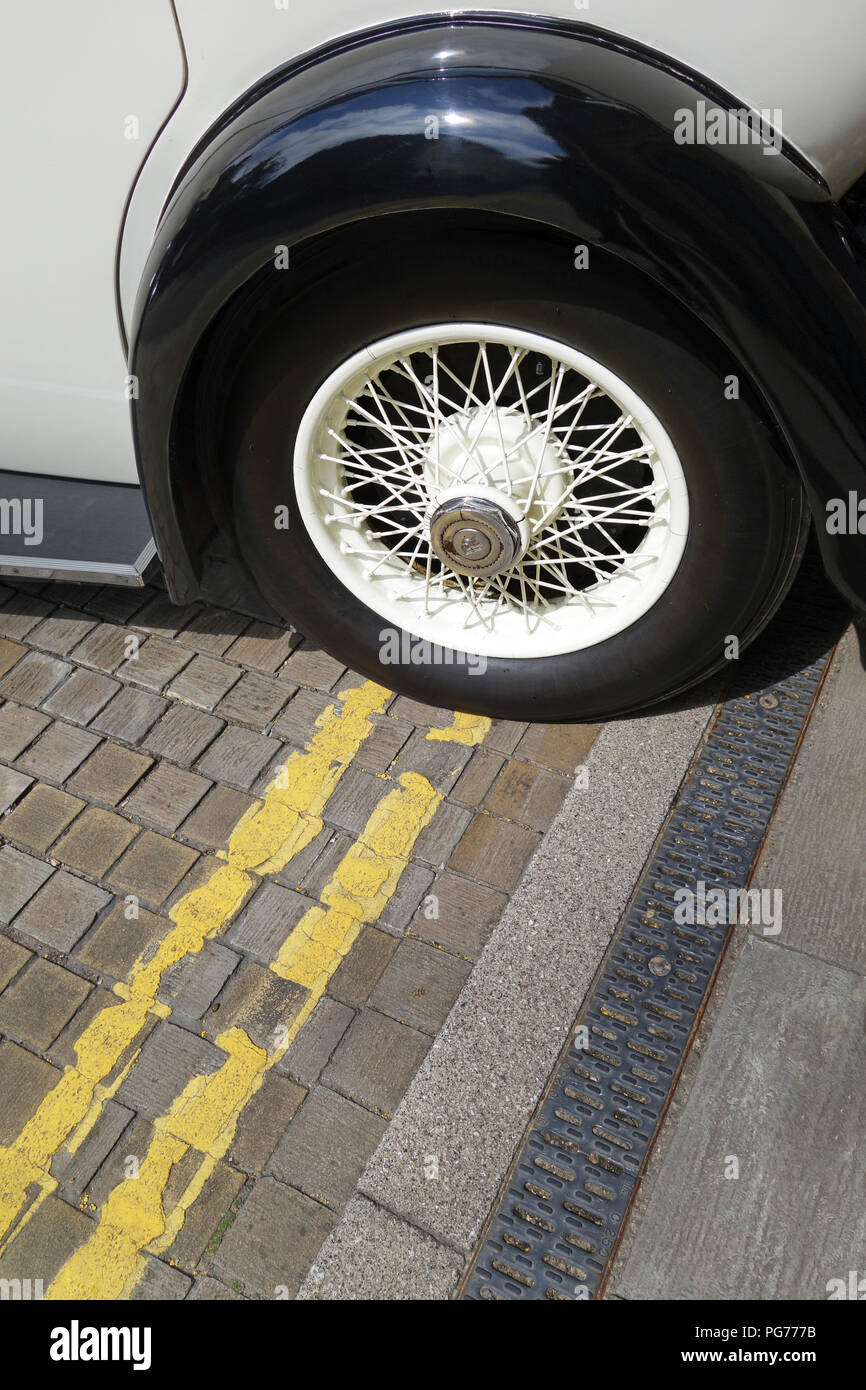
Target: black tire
point(748, 518)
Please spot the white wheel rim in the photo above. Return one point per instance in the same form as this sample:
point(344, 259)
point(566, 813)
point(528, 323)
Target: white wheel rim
point(570, 452)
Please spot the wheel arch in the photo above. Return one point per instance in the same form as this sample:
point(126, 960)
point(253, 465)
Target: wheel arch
point(542, 122)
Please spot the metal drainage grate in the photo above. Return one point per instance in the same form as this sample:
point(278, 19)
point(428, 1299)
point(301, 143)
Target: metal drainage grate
point(573, 1180)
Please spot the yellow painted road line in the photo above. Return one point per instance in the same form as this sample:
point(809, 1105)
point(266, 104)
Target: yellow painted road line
point(464, 728)
point(205, 1116)
point(264, 841)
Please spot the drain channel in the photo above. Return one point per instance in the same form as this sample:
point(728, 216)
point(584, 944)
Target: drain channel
point(556, 1227)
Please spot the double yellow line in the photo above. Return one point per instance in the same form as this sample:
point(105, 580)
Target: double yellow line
point(204, 1117)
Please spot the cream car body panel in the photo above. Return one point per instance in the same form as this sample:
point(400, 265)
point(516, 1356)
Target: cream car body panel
point(86, 88)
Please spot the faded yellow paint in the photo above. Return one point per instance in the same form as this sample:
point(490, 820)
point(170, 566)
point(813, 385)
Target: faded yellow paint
point(464, 728)
point(133, 1220)
point(265, 839)
point(361, 886)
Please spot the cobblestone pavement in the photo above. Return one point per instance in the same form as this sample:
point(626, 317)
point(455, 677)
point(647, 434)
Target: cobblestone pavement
point(241, 889)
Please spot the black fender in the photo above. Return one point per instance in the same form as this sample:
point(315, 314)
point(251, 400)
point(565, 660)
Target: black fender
point(549, 122)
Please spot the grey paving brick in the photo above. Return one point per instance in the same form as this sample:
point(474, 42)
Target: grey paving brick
point(10, 653)
point(263, 925)
point(375, 1061)
point(165, 797)
point(110, 773)
point(116, 603)
point(58, 752)
point(33, 678)
point(437, 840)
point(477, 777)
point(95, 842)
point(494, 852)
point(352, 802)
point(263, 1121)
point(414, 884)
point(130, 714)
point(81, 696)
point(168, 1061)
point(214, 819)
point(562, 747)
point(275, 1237)
point(67, 592)
point(313, 1047)
point(503, 736)
point(298, 720)
point(105, 647)
point(75, 1170)
point(182, 735)
point(18, 727)
point(381, 747)
point(440, 761)
point(322, 869)
point(419, 986)
point(270, 772)
point(61, 911)
point(204, 682)
point(308, 665)
point(156, 662)
point(263, 647)
point(20, 876)
point(359, 971)
point(12, 959)
point(50, 1237)
point(44, 814)
point(528, 794)
point(160, 1283)
point(12, 786)
point(212, 631)
point(191, 986)
point(152, 868)
point(416, 713)
point(238, 756)
point(25, 1081)
point(39, 1003)
point(203, 1219)
point(61, 632)
point(206, 1289)
point(134, 1143)
point(20, 614)
point(326, 1147)
point(162, 616)
point(119, 940)
point(258, 1001)
point(459, 915)
point(301, 864)
point(256, 700)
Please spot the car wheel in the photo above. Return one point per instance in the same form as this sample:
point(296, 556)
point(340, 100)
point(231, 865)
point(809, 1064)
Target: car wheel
point(497, 483)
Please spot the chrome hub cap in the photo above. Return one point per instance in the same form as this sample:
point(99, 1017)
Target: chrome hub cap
point(475, 536)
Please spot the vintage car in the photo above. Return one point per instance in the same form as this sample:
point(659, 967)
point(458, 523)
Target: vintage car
point(508, 353)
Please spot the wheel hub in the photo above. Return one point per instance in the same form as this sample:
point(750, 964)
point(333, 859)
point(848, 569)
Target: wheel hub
point(475, 536)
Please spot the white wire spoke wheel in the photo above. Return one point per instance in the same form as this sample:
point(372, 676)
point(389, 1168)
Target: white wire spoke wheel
point(491, 490)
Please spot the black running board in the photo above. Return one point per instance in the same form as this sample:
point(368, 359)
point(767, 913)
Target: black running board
point(66, 528)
